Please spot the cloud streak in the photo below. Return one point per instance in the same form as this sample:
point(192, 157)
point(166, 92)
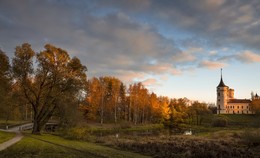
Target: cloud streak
point(248, 57)
point(211, 64)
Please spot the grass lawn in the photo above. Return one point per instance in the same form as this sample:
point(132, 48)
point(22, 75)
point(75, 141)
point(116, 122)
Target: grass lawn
point(4, 136)
point(57, 147)
point(242, 120)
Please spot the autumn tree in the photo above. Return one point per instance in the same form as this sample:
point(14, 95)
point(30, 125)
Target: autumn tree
point(138, 103)
point(94, 100)
point(255, 104)
point(46, 84)
point(163, 108)
point(105, 99)
point(5, 86)
point(123, 106)
point(170, 120)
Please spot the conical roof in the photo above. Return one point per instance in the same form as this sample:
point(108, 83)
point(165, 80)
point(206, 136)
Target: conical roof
point(221, 83)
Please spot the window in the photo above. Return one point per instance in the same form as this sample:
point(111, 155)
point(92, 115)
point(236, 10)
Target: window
point(218, 94)
point(233, 112)
point(238, 112)
point(238, 107)
point(242, 107)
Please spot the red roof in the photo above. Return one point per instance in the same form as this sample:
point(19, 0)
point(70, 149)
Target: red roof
point(239, 101)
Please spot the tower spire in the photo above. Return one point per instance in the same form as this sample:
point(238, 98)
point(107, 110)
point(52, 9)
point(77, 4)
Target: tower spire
point(221, 83)
point(221, 73)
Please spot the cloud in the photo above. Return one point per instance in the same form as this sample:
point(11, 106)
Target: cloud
point(125, 38)
point(248, 57)
point(218, 21)
point(111, 44)
point(211, 64)
point(183, 57)
point(151, 82)
point(213, 52)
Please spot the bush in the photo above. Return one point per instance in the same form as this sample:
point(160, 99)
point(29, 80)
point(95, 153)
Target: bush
point(252, 138)
point(76, 133)
point(125, 125)
point(219, 122)
point(185, 147)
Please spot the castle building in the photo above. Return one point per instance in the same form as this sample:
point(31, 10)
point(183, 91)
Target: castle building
point(228, 104)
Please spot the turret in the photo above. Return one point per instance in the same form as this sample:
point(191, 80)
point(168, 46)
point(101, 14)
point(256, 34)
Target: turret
point(222, 96)
point(231, 93)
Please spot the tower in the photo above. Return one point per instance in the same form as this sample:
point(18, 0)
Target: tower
point(222, 96)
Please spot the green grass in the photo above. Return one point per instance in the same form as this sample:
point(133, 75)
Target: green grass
point(242, 120)
point(4, 136)
point(120, 127)
point(57, 147)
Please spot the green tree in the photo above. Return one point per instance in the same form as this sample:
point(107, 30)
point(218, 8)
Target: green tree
point(44, 85)
point(199, 111)
point(5, 86)
point(170, 121)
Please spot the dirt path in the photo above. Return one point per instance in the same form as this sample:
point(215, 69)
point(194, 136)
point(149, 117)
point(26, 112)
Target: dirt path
point(12, 141)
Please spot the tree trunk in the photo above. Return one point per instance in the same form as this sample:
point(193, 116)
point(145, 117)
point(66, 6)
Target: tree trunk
point(129, 110)
point(36, 128)
point(115, 112)
point(197, 119)
point(102, 109)
point(40, 119)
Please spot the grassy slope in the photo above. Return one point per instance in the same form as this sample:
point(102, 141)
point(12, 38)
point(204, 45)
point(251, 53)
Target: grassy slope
point(4, 136)
point(242, 120)
point(30, 147)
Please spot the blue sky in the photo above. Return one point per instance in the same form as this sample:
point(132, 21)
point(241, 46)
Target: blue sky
point(176, 48)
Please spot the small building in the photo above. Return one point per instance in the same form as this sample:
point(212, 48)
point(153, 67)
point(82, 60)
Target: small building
point(228, 104)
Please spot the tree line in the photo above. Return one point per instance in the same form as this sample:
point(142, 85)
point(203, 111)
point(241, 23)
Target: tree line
point(50, 83)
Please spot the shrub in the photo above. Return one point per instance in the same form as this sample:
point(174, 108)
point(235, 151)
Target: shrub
point(125, 125)
point(76, 133)
point(219, 122)
point(252, 138)
point(186, 147)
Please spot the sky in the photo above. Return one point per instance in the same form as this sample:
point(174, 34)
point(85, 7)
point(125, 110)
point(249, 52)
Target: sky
point(175, 47)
